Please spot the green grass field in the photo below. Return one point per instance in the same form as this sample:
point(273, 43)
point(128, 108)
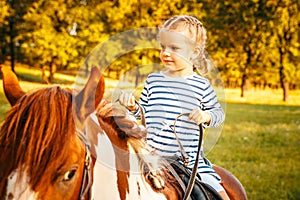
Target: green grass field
point(259, 143)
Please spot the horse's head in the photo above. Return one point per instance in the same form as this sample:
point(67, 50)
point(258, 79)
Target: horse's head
point(41, 155)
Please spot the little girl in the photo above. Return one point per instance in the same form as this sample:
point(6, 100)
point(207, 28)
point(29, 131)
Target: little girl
point(176, 90)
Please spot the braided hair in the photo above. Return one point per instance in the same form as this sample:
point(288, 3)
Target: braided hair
point(197, 34)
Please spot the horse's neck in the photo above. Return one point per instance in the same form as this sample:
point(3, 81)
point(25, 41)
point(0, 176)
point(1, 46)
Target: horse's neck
point(117, 172)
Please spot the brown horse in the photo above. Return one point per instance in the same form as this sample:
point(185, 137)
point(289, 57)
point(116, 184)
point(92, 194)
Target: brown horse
point(43, 156)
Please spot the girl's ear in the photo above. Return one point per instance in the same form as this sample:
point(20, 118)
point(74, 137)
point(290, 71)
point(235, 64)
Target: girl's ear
point(196, 52)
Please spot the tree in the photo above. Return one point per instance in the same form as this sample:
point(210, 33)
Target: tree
point(13, 27)
point(253, 43)
point(59, 34)
point(285, 32)
point(5, 13)
point(123, 16)
point(240, 29)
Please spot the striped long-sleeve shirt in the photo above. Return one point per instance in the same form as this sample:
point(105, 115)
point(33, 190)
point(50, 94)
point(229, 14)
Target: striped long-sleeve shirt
point(163, 99)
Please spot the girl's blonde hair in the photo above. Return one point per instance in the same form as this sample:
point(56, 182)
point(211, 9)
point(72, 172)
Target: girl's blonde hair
point(198, 35)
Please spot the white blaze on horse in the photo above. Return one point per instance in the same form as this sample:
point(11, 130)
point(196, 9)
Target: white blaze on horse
point(57, 145)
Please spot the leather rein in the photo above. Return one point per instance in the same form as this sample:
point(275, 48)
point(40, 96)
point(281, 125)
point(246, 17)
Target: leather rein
point(185, 158)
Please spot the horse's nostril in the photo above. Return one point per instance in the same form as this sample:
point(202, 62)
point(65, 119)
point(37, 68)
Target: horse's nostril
point(10, 196)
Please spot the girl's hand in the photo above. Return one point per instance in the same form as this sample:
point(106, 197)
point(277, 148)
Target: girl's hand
point(128, 100)
point(199, 116)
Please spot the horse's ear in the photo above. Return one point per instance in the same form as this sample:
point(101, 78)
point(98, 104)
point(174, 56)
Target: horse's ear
point(11, 85)
point(89, 98)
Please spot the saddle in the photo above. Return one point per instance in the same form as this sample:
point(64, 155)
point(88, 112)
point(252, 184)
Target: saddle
point(201, 190)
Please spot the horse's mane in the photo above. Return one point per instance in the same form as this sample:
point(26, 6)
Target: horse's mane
point(134, 134)
point(34, 133)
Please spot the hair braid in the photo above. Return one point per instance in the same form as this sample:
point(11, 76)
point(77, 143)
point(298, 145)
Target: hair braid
point(198, 36)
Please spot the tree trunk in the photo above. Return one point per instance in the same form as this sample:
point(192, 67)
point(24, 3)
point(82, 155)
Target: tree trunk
point(283, 81)
point(284, 84)
point(3, 48)
point(44, 78)
point(12, 45)
point(51, 72)
point(243, 85)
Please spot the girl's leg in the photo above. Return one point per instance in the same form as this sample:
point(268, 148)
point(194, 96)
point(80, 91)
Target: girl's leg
point(213, 182)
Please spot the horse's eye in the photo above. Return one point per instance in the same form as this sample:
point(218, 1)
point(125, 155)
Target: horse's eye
point(69, 175)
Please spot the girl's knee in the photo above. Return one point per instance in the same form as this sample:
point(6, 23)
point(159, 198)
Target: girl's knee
point(224, 195)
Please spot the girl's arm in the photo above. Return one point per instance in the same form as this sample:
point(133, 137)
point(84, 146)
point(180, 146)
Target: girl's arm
point(211, 106)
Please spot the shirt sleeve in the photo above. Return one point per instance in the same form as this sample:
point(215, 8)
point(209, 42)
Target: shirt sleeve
point(142, 102)
point(210, 103)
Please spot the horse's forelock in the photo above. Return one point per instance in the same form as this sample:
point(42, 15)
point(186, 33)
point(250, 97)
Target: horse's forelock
point(39, 126)
point(120, 121)
point(127, 128)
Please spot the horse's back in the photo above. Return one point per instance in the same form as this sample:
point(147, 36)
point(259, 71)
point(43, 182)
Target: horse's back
point(232, 185)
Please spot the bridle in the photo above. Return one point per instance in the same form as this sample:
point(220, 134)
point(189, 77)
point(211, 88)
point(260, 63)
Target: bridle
point(86, 183)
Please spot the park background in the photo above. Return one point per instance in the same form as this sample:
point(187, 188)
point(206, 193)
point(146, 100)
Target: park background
point(254, 44)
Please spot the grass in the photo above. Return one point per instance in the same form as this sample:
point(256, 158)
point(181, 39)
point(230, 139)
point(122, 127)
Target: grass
point(259, 143)
point(31, 79)
point(268, 96)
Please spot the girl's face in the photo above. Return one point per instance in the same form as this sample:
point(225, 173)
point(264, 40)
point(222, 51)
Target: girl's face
point(177, 51)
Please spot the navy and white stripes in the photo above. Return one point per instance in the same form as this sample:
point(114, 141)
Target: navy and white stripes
point(163, 99)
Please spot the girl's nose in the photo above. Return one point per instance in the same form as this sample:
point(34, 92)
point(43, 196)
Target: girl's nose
point(165, 52)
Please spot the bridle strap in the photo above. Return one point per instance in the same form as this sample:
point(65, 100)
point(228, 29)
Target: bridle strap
point(87, 176)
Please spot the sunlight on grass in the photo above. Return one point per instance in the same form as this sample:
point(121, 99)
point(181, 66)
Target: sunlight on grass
point(27, 73)
point(271, 97)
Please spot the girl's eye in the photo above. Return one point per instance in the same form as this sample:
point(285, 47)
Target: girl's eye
point(174, 48)
point(162, 47)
